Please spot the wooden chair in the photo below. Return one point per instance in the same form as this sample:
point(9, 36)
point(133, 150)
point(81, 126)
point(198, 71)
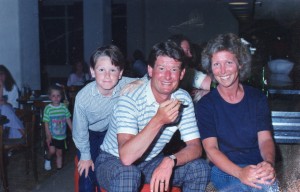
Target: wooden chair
point(39, 111)
point(146, 187)
point(27, 143)
point(3, 172)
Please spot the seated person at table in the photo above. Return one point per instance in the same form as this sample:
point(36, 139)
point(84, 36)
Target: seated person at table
point(235, 122)
point(143, 122)
point(195, 82)
point(139, 65)
point(93, 107)
point(8, 102)
point(56, 118)
point(79, 76)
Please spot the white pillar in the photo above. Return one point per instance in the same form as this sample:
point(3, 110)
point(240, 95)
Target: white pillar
point(96, 24)
point(19, 42)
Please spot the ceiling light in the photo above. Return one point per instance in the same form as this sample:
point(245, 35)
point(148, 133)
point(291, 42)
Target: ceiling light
point(238, 3)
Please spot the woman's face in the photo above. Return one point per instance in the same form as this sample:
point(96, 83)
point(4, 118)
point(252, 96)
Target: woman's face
point(186, 48)
point(2, 77)
point(224, 66)
point(79, 67)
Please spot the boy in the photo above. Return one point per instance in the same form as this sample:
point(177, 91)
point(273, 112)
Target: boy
point(93, 107)
point(56, 117)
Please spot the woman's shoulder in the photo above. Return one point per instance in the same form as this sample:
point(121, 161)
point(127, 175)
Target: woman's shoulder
point(252, 91)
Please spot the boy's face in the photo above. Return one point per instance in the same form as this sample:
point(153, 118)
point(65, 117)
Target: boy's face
point(55, 97)
point(106, 75)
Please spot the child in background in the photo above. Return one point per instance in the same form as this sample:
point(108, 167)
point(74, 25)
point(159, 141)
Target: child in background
point(56, 117)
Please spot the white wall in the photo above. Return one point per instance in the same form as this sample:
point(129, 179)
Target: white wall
point(19, 42)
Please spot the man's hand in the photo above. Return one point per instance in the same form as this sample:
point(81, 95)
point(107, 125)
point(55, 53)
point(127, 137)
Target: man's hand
point(161, 176)
point(84, 165)
point(168, 111)
point(131, 86)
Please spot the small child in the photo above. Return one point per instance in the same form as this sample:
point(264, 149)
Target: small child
point(56, 117)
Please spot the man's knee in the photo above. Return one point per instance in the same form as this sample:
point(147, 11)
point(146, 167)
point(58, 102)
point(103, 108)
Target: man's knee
point(200, 168)
point(131, 172)
point(116, 176)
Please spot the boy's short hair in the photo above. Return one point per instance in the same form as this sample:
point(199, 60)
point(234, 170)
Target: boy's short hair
point(111, 51)
point(55, 88)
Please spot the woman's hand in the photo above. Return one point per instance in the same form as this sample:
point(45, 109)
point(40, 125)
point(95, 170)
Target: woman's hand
point(266, 172)
point(248, 176)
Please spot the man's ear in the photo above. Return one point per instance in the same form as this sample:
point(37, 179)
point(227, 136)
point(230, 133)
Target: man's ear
point(150, 69)
point(92, 72)
point(182, 73)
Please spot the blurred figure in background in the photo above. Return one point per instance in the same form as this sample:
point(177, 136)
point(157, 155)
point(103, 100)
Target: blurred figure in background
point(9, 94)
point(79, 75)
point(139, 65)
point(193, 77)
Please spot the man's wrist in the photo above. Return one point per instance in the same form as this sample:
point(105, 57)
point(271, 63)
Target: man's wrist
point(173, 157)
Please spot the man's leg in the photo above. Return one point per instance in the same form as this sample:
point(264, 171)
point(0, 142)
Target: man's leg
point(193, 176)
point(113, 176)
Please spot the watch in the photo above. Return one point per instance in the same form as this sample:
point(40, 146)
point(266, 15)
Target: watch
point(173, 157)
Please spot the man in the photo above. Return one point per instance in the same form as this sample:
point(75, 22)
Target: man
point(143, 122)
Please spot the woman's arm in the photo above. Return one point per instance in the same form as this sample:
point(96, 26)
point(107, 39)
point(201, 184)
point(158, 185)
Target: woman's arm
point(266, 169)
point(246, 174)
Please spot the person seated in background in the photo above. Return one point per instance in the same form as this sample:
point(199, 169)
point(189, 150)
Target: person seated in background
point(9, 94)
point(143, 122)
point(79, 75)
point(93, 107)
point(193, 78)
point(139, 65)
point(235, 122)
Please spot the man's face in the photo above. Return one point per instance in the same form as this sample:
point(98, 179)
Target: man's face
point(106, 74)
point(165, 76)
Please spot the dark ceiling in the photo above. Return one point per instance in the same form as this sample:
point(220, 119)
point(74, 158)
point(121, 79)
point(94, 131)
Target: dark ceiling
point(286, 12)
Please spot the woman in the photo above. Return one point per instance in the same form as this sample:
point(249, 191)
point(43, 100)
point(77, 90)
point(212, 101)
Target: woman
point(234, 121)
point(8, 101)
point(79, 76)
point(194, 81)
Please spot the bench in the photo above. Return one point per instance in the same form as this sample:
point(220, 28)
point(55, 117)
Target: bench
point(286, 127)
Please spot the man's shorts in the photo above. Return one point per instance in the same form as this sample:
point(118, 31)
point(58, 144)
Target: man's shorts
point(59, 144)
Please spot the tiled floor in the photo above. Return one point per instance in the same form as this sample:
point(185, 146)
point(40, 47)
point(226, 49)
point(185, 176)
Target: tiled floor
point(20, 182)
